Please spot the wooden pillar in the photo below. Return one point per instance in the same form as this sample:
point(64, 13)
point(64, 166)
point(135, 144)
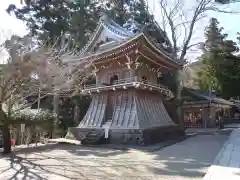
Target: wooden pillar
point(56, 113)
point(132, 73)
point(212, 122)
point(97, 80)
point(76, 112)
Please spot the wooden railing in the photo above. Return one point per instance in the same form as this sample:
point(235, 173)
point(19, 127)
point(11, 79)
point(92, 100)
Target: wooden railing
point(125, 82)
point(157, 85)
point(120, 81)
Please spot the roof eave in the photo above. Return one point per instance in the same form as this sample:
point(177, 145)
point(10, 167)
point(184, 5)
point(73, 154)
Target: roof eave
point(160, 51)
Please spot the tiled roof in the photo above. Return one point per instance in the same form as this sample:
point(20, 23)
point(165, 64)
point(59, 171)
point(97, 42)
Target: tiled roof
point(124, 35)
point(116, 28)
point(207, 96)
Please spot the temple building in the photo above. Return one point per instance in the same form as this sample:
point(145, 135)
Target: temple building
point(202, 109)
point(127, 98)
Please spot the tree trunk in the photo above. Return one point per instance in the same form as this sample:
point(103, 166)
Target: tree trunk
point(56, 114)
point(76, 113)
point(178, 99)
point(5, 133)
point(6, 140)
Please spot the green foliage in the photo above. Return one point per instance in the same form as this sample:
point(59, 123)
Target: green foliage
point(220, 66)
point(123, 10)
point(32, 115)
point(134, 15)
point(83, 102)
point(51, 19)
point(43, 118)
point(48, 20)
point(66, 110)
point(206, 76)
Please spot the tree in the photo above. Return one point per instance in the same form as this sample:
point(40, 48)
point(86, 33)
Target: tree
point(128, 13)
point(32, 68)
point(15, 83)
point(48, 20)
point(84, 18)
point(220, 65)
point(179, 24)
point(214, 41)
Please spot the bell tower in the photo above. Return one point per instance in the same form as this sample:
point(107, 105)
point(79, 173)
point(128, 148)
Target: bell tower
point(127, 98)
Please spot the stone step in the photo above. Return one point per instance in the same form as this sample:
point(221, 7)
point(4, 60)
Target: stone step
point(93, 137)
point(93, 134)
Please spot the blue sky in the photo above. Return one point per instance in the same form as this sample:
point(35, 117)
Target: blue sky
point(230, 22)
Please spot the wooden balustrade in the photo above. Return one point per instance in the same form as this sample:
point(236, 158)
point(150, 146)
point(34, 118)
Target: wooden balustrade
point(128, 81)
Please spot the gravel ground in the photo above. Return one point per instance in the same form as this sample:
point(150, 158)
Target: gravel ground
point(186, 160)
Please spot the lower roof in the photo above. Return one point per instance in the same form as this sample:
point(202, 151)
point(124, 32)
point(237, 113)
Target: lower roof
point(208, 97)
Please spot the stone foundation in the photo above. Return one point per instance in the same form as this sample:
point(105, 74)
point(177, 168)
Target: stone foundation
point(78, 133)
point(146, 136)
point(132, 136)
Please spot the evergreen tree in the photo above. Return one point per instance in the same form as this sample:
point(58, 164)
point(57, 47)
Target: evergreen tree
point(84, 18)
point(48, 20)
point(220, 66)
point(128, 12)
point(214, 35)
point(214, 40)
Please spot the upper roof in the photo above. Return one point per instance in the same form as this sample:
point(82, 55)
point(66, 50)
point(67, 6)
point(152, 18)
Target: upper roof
point(106, 31)
point(110, 38)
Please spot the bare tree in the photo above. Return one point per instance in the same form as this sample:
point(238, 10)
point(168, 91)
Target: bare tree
point(32, 68)
point(61, 73)
point(15, 83)
point(178, 20)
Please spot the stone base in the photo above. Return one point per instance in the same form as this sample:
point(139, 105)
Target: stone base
point(79, 134)
point(132, 136)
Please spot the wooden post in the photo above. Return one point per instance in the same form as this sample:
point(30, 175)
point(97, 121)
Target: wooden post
point(56, 113)
point(22, 133)
point(76, 112)
point(97, 80)
point(135, 78)
point(132, 73)
point(39, 91)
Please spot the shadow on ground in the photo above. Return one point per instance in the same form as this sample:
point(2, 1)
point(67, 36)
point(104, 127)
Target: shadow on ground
point(187, 159)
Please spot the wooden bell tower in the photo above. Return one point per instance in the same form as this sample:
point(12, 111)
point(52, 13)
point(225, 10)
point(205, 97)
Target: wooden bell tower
point(127, 98)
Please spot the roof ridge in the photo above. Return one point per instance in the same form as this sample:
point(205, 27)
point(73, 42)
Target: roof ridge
point(108, 23)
